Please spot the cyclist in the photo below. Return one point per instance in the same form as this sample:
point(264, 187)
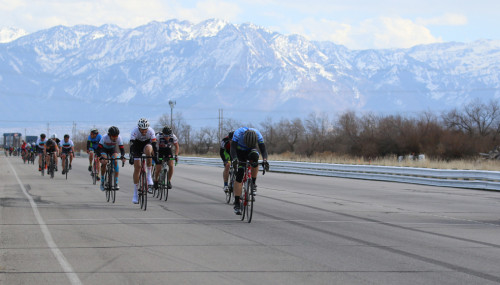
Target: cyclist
point(67, 148)
point(107, 148)
point(51, 147)
point(225, 155)
point(23, 149)
point(165, 140)
point(142, 140)
point(243, 148)
point(40, 147)
point(92, 144)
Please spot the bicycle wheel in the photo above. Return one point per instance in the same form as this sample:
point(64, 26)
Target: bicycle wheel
point(143, 192)
point(243, 201)
point(250, 200)
point(66, 166)
point(106, 180)
point(43, 167)
point(229, 193)
point(165, 188)
point(51, 167)
point(112, 181)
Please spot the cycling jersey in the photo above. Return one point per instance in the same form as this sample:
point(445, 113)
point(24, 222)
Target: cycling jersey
point(40, 143)
point(165, 141)
point(225, 149)
point(93, 143)
point(137, 136)
point(66, 146)
point(109, 146)
point(238, 138)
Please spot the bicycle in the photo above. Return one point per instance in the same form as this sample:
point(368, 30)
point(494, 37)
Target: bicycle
point(109, 178)
point(143, 183)
point(162, 186)
point(44, 162)
point(232, 177)
point(31, 158)
point(52, 166)
point(66, 163)
point(248, 196)
point(95, 170)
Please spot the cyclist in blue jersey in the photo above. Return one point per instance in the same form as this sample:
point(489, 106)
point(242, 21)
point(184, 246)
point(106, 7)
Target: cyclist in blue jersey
point(243, 148)
point(92, 144)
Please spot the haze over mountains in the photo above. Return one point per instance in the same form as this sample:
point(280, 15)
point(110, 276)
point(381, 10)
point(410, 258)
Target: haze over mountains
point(104, 74)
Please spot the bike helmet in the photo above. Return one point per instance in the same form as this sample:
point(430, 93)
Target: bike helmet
point(42, 136)
point(66, 136)
point(143, 123)
point(167, 130)
point(230, 135)
point(250, 138)
point(94, 131)
point(113, 131)
point(53, 136)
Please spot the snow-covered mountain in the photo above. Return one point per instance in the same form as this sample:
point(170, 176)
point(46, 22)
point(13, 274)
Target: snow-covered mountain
point(8, 34)
point(92, 74)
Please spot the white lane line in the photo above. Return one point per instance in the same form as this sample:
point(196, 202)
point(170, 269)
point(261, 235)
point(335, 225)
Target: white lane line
point(68, 269)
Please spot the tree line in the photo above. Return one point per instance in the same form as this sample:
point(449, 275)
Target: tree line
point(459, 133)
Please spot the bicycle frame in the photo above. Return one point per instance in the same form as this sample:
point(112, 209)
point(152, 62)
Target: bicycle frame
point(143, 183)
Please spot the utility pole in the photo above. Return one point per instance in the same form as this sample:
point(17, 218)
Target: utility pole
point(48, 129)
point(73, 131)
point(172, 105)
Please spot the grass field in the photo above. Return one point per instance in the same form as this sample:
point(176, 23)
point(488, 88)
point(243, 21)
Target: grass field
point(471, 164)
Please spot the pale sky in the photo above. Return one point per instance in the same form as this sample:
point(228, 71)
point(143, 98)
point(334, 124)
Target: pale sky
point(357, 24)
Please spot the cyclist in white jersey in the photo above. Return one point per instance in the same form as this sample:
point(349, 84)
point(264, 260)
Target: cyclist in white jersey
point(67, 148)
point(40, 146)
point(142, 140)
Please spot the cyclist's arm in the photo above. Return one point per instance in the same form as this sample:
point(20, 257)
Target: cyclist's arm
point(262, 147)
point(122, 150)
point(176, 148)
point(131, 150)
point(234, 145)
point(88, 145)
point(99, 149)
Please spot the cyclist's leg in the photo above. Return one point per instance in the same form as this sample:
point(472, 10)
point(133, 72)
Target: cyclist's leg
point(148, 150)
point(63, 161)
point(71, 155)
point(117, 169)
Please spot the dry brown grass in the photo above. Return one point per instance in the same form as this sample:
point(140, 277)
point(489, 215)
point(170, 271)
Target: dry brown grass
point(471, 164)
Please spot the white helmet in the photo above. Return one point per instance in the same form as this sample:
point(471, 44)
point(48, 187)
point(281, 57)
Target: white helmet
point(143, 123)
point(53, 136)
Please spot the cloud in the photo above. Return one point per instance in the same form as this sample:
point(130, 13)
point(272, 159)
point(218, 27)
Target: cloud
point(383, 32)
point(209, 9)
point(445, 20)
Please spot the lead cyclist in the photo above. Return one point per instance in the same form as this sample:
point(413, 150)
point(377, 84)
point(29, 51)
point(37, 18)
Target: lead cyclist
point(243, 148)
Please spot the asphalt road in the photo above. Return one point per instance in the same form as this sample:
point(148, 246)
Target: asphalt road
point(305, 230)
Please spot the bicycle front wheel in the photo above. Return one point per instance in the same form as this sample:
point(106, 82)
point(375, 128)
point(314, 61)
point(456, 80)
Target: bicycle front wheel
point(250, 200)
point(143, 193)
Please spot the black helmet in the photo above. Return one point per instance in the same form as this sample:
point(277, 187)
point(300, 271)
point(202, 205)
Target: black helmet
point(167, 130)
point(230, 135)
point(66, 136)
point(250, 138)
point(42, 136)
point(113, 131)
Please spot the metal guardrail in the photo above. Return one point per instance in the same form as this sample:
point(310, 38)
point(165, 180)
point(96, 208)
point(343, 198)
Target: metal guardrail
point(473, 179)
